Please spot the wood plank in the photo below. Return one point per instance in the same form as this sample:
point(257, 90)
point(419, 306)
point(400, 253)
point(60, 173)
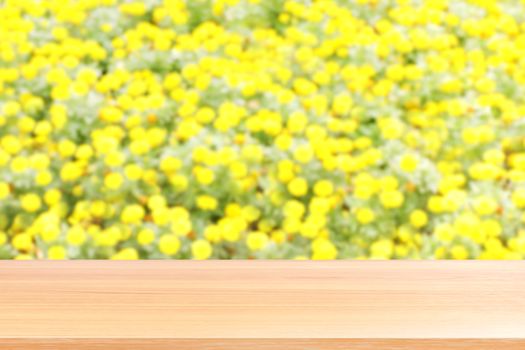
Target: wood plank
point(261, 344)
point(262, 304)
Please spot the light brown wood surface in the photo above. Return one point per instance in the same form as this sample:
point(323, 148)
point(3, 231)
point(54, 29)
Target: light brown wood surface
point(262, 305)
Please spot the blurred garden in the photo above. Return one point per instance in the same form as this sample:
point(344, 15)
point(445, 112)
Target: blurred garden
point(262, 129)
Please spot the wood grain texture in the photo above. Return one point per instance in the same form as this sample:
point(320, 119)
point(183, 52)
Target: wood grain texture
point(261, 344)
point(262, 305)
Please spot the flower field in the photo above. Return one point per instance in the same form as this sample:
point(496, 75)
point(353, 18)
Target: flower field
point(262, 129)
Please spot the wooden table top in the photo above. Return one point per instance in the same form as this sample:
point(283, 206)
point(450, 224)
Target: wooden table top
point(262, 305)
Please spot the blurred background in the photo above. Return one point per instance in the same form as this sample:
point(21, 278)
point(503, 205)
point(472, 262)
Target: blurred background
point(262, 129)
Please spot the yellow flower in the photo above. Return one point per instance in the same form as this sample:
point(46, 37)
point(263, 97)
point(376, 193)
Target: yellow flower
point(111, 114)
point(19, 164)
point(181, 226)
point(66, 148)
point(298, 187)
point(445, 232)
point(23, 242)
point(11, 108)
point(133, 172)
point(253, 153)
point(84, 152)
point(323, 249)
point(26, 124)
point(159, 201)
point(256, 240)
point(452, 86)
point(205, 202)
point(391, 128)
point(76, 236)
point(11, 144)
point(170, 164)
point(61, 92)
point(408, 163)
point(278, 236)
point(440, 252)
point(250, 213)
point(50, 232)
point(285, 170)
point(169, 244)
point(71, 171)
point(459, 252)
point(57, 252)
point(418, 218)
point(485, 85)
point(518, 197)
point(4, 190)
point(58, 114)
point(313, 225)
point(294, 209)
point(98, 208)
point(304, 154)
point(31, 202)
point(342, 104)
point(391, 199)
point(139, 147)
point(43, 178)
point(231, 228)
point(145, 237)
point(297, 122)
point(238, 169)
point(490, 228)
point(132, 214)
point(179, 182)
point(320, 205)
point(382, 249)
point(436, 204)
point(395, 72)
point(304, 87)
point(323, 188)
point(477, 135)
point(484, 171)
point(213, 233)
point(388, 183)
point(113, 181)
point(114, 159)
point(485, 205)
point(204, 176)
point(23, 257)
point(201, 249)
point(205, 115)
point(126, 254)
point(365, 215)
